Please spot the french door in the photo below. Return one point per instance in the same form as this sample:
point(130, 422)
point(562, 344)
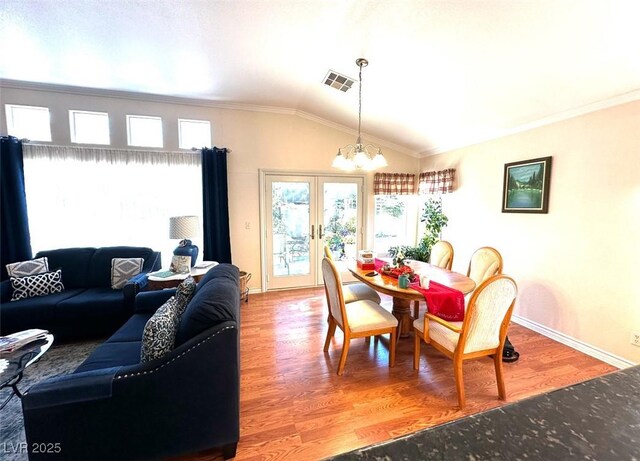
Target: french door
point(302, 214)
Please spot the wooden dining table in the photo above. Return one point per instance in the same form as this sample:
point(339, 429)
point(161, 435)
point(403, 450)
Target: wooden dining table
point(402, 297)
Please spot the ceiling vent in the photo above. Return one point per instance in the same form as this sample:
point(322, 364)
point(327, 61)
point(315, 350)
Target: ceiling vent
point(338, 81)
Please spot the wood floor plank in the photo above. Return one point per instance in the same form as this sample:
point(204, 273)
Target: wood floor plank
point(293, 406)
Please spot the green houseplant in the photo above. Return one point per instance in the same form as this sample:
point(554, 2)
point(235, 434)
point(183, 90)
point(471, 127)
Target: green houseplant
point(434, 220)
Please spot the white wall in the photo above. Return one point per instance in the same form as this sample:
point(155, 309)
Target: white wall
point(577, 266)
point(258, 140)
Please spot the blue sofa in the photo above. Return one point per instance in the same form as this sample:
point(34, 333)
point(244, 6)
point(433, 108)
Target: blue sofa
point(88, 307)
point(113, 407)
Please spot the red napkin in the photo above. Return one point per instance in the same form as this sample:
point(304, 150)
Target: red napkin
point(443, 301)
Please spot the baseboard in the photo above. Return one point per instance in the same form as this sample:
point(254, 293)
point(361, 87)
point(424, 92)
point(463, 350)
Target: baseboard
point(588, 349)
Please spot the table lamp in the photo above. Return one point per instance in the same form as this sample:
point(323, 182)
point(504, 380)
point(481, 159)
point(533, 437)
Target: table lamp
point(184, 228)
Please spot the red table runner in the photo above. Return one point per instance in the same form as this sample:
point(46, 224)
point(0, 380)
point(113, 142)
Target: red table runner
point(442, 301)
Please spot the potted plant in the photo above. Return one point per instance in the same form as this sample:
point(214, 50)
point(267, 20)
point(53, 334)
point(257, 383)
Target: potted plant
point(434, 220)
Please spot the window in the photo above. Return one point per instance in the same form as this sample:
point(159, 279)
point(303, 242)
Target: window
point(108, 197)
point(28, 122)
point(144, 131)
point(390, 222)
point(193, 133)
point(89, 127)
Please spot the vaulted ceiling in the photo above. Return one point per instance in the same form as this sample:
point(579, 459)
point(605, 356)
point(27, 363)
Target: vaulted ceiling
point(441, 74)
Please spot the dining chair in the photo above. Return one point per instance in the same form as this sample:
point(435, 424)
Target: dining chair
point(482, 332)
point(362, 319)
point(485, 262)
point(441, 256)
point(355, 291)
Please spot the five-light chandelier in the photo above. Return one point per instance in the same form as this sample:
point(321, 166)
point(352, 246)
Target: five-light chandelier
point(359, 156)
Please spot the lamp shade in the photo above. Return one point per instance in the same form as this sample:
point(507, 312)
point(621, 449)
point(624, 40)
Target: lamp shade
point(183, 227)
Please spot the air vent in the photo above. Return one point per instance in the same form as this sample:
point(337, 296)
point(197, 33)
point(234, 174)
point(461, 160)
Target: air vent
point(338, 81)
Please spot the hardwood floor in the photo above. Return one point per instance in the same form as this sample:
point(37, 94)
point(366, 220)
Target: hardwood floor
point(294, 406)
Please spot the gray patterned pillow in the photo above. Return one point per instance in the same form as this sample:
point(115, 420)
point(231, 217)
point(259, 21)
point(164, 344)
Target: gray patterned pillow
point(122, 269)
point(36, 285)
point(184, 293)
point(32, 267)
point(159, 333)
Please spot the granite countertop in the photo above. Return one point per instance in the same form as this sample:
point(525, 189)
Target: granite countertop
point(596, 420)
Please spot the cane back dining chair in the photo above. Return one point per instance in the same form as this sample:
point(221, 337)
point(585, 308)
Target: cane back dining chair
point(482, 332)
point(362, 319)
point(355, 291)
point(441, 256)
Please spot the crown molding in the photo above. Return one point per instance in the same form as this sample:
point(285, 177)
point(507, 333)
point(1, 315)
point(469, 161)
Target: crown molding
point(150, 97)
point(559, 117)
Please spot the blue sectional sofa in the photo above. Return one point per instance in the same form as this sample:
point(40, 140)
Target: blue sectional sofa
point(112, 407)
point(88, 306)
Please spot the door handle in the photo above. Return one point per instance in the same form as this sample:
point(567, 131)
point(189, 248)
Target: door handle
point(320, 234)
point(313, 231)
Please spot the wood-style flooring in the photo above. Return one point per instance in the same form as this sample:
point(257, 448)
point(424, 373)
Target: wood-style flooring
point(294, 406)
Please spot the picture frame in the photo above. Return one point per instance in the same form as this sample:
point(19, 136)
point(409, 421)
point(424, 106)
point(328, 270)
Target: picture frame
point(526, 186)
point(180, 264)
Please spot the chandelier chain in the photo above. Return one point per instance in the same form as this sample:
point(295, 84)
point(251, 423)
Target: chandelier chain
point(359, 101)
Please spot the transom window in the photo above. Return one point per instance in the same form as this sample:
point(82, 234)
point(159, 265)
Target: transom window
point(144, 131)
point(29, 122)
point(89, 127)
point(193, 133)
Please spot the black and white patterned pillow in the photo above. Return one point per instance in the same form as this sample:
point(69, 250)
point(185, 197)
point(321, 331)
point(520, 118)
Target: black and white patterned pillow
point(122, 269)
point(159, 334)
point(36, 285)
point(31, 267)
point(184, 293)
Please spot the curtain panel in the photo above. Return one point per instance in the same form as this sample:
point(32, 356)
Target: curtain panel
point(86, 196)
point(394, 184)
point(215, 202)
point(436, 182)
point(16, 241)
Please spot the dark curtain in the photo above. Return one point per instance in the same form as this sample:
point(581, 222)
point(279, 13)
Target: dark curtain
point(215, 203)
point(14, 228)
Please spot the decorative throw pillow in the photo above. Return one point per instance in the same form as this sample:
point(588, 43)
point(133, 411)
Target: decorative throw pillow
point(36, 285)
point(32, 267)
point(159, 335)
point(122, 269)
point(184, 293)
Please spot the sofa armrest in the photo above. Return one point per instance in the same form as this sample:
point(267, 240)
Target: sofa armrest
point(139, 282)
point(5, 291)
point(150, 301)
point(72, 388)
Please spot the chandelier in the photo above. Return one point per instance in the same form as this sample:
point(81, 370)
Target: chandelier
point(359, 156)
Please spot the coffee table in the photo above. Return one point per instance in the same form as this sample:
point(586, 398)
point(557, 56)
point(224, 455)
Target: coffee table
point(12, 365)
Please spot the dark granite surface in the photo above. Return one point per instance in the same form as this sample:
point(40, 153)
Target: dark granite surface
point(597, 419)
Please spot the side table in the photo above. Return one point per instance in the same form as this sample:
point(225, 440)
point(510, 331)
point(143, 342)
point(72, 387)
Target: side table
point(161, 283)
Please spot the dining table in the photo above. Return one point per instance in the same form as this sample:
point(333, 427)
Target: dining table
point(403, 297)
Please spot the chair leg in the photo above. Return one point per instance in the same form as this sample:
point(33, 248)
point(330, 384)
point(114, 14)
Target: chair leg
point(497, 362)
point(457, 369)
point(330, 332)
point(416, 349)
point(416, 309)
point(392, 347)
point(343, 356)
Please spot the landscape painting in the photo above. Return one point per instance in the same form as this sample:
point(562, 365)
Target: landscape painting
point(526, 186)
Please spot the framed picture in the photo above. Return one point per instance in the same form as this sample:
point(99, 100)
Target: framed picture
point(526, 186)
point(180, 264)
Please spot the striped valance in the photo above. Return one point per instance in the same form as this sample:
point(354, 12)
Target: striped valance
point(436, 182)
point(394, 184)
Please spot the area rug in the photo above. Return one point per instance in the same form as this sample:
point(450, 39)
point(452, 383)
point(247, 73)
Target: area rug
point(61, 359)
